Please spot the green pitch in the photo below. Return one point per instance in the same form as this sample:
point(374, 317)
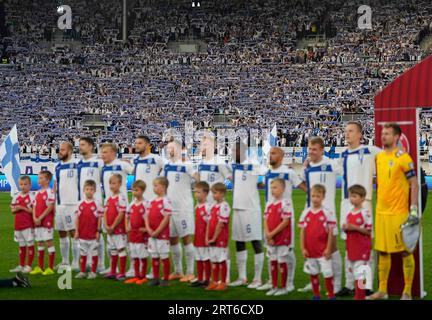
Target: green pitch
point(46, 287)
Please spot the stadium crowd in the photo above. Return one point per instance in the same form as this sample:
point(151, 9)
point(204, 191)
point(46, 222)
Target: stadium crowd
point(252, 72)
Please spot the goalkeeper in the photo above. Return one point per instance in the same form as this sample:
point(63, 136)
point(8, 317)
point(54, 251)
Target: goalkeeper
point(396, 186)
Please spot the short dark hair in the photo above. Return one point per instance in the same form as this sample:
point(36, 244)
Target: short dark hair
point(219, 187)
point(396, 128)
point(89, 140)
point(47, 174)
point(25, 178)
point(357, 189)
point(204, 186)
point(145, 138)
point(90, 183)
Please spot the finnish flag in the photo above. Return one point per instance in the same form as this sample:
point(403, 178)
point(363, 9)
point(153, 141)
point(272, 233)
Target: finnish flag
point(271, 140)
point(10, 160)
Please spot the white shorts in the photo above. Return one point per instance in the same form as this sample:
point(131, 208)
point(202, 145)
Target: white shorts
point(88, 247)
point(246, 225)
point(44, 234)
point(116, 241)
point(181, 225)
point(314, 266)
point(138, 250)
point(345, 209)
point(24, 237)
point(360, 269)
point(158, 248)
point(218, 254)
point(278, 253)
point(202, 253)
point(65, 217)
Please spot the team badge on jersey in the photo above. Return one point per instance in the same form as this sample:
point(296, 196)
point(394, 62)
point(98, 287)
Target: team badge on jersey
point(212, 168)
point(358, 221)
point(323, 167)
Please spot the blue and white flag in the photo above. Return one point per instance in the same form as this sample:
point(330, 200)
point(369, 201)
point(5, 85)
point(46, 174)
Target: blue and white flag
point(10, 160)
point(271, 140)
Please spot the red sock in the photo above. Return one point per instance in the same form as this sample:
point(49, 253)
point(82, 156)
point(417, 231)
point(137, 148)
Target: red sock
point(144, 268)
point(114, 260)
point(200, 270)
point(216, 272)
point(30, 255)
point(315, 285)
point(223, 266)
point(41, 258)
point(329, 287)
point(22, 254)
point(51, 258)
point(155, 266)
point(207, 269)
point(95, 261)
point(360, 294)
point(83, 260)
point(284, 274)
point(123, 265)
point(166, 268)
point(137, 267)
point(274, 273)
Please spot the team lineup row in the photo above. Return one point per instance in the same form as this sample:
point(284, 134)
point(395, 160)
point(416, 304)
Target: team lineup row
point(166, 215)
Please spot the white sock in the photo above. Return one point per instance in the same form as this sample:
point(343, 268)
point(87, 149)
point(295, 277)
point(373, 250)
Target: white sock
point(337, 270)
point(64, 250)
point(349, 276)
point(228, 263)
point(241, 264)
point(176, 251)
point(269, 269)
point(291, 262)
point(190, 258)
point(372, 265)
point(101, 253)
point(259, 264)
point(75, 252)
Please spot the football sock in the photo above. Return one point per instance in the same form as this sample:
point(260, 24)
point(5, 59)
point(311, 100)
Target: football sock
point(223, 267)
point(200, 270)
point(166, 268)
point(291, 265)
point(216, 272)
point(75, 251)
point(269, 269)
point(384, 265)
point(155, 267)
point(64, 249)
point(241, 264)
point(22, 255)
point(136, 264)
point(408, 271)
point(360, 294)
point(114, 260)
point(337, 270)
point(207, 269)
point(176, 251)
point(83, 263)
point(284, 274)
point(51, 257)
point(94, 263)
point(349, 275)
point(30, 257)
point(228, 263)
point(315, 285)
point(41, 257)
point(122, 256)
point(274, 273)
point(190, 258)
point(258, 263)
point(144, 268)
point(101, 252)
point(329, 287)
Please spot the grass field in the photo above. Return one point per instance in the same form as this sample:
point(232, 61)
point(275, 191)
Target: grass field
point(46, 287)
